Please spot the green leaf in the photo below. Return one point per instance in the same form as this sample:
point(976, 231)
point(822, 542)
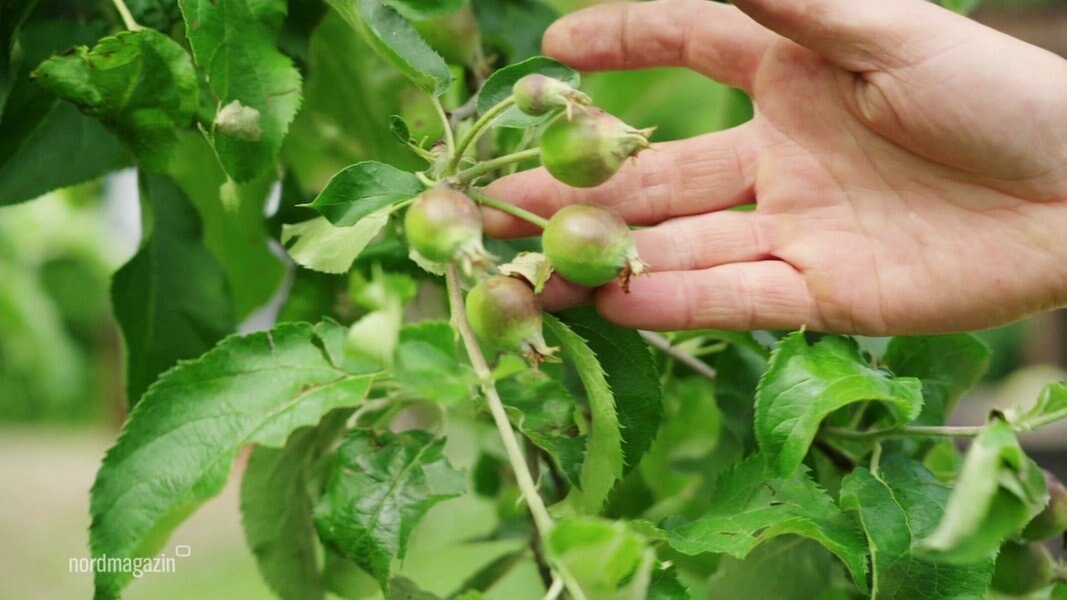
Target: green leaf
point(499, 85)
point(319, 245)
point(998, 491)
point(606, 558)
point(751, 506)
point(738, 370)
point(176, 449)
point(513, 28)
point(418, 10)
point(162, 15)
point(348, 97)
point(140, 84)
point(64, 148)
point(257, 87)
point(402, 588)
point(803, 384)
point(14, 13)
point(603, 452)
point(234, 228)
point(381, 487)
point(1051, 406)
point(276, 509)
point(544, 411)
point(961, 6)
point(47, 143)
point(345, 579)
point(666, 586)
point(786, 568)
point(395, 40)
point(898, 507)
point(631, 374)
point(489, 575)
point(692, 449)
point(362, 189)
point(947, 366)
point(428, 364)
point(171, 299)
point(400, 128)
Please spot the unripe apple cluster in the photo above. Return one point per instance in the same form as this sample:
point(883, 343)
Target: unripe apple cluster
point(589, 245)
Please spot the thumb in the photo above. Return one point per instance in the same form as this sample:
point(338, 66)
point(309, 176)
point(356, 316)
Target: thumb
point(861, 35)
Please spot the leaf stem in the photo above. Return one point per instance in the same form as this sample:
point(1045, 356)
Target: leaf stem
point(1045, 419)
point(510, 209)
point(450, 138)
point(902, 432)
point(127, 16)
point(876, 458)
point(481, 168)
point(540, 515)
point(661, 343)
point(554, 590)
point(478, 129)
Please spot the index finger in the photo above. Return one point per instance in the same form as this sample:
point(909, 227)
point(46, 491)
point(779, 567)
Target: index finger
point(709, 172)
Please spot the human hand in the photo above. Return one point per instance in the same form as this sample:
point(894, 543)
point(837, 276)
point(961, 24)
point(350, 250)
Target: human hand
point(908, 166)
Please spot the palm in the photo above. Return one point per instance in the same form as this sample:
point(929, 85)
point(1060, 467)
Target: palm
point(868, 222)
point(899, 188)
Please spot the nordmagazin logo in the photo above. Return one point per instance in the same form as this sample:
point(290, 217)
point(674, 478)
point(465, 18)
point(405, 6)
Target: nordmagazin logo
point(136, 566)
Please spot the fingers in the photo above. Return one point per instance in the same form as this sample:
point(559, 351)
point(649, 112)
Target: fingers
point(703, 241)
point(862, 35)
point(757, 295)
point(560, 294)
point(702, 174)
point(714, 39)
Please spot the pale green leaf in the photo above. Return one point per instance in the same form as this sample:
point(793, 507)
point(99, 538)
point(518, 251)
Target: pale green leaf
point(751, 506)
point(603, 453)
point(382, 485)
point(1051, 406)
point(363, 188)
point(321, 246)
point(140, 84)
point(396, 41)
point(499, 85)
point(998, 492)
point(171, 299)
point(898, 507)
point(236, 44)
point(429, 364)
point(803, 384)
point(179, 443)
point(607, 559)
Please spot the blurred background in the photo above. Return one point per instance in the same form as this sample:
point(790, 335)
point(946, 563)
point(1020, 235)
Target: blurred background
point(61, 382)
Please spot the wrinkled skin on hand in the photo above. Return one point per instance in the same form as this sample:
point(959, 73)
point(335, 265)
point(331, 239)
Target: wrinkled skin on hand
point(908, 166)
